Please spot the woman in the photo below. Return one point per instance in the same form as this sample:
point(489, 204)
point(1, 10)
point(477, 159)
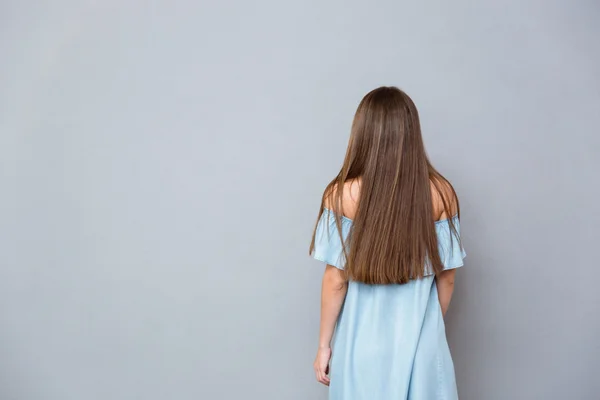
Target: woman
point(388, 230)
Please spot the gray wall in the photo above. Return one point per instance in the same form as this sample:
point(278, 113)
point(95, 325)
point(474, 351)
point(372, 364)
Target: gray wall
point(162, 162)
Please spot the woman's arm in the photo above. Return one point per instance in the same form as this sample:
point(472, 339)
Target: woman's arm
point(445, 287)
point(333, 293)
point(445, 205)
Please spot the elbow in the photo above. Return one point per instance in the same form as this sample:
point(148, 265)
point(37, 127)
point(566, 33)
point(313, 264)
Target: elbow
point(335, 279)
point(447, 282)
point(446, 278)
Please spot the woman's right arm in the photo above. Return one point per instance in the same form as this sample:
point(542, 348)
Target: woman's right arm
point(445, 287)
point(445, 279)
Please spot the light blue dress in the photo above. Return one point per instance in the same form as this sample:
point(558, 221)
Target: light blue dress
point(390, 340)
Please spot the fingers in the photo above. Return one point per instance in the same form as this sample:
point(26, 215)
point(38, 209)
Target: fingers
point(322, 378)
point(322, 375)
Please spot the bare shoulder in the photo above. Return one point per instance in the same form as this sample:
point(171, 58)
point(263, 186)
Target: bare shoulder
point(443, 196)
point(350, 195)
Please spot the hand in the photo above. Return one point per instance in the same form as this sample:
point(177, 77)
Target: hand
point(322, 365)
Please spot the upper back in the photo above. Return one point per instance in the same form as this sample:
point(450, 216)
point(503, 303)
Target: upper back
point(441, 192)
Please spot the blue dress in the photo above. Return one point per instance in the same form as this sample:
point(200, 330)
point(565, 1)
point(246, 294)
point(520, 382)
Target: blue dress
point(390, 340)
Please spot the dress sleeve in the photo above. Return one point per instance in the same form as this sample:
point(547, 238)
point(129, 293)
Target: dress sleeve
point(450, 248)
point(328, 244)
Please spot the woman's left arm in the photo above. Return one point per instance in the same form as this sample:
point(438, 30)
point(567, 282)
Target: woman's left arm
point(333, 293)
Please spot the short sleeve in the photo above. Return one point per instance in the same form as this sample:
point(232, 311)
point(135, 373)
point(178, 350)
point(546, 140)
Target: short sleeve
point(451, 251)
point(328, 244)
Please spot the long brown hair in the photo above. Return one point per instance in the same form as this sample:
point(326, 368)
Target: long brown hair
point(393, 232)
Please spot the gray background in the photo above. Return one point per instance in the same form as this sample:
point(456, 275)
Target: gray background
point(162, 163)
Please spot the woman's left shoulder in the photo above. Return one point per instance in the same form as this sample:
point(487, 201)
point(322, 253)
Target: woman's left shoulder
point(350, 196)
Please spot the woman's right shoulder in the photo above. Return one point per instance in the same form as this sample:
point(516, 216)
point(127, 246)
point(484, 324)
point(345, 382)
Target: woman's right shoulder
point(444, 199)
point(350, 195)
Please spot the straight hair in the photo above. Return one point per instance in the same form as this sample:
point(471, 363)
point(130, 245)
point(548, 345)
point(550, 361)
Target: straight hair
point(393, 234)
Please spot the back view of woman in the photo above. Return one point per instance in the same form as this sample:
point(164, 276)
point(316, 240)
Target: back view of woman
point(388, 230)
